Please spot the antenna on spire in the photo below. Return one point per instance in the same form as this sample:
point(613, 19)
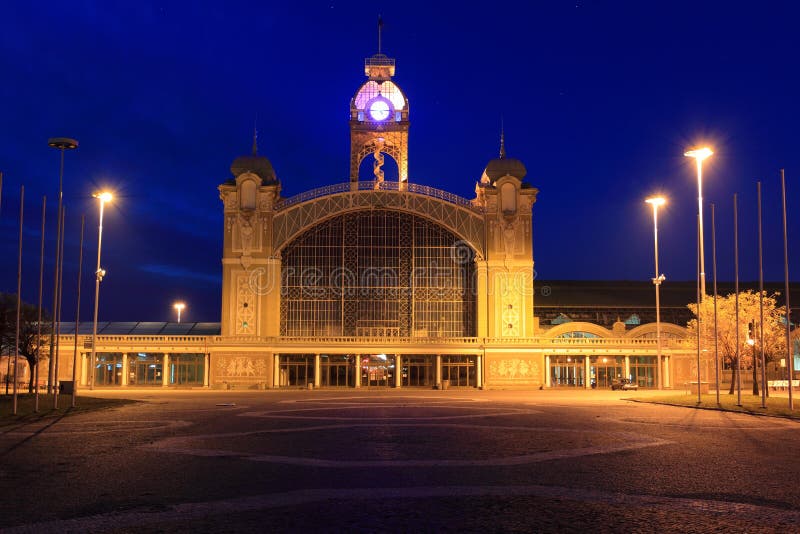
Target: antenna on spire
point(502, 139)
point(255, 138)
point(380, 29)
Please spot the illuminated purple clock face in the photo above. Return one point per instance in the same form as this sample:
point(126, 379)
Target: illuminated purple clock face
point(379, 110)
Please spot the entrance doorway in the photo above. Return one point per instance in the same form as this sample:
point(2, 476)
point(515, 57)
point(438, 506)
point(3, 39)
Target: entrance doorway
point(296, 370)
point(336, 370)
point(569, 371)
point(605, 369)
point(108, 369)
point(460, 370)
point(377, 370)
point(186, 369)
point(145, 369)
point(418, 371)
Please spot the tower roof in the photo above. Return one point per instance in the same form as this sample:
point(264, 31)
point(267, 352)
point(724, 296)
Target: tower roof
point(499, 167)
point(258, 165)
point(503, 166)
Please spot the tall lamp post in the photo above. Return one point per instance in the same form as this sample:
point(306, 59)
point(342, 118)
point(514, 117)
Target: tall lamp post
point(656, 202)
point(63, 144)
point(699, 154)
point(179, 307)
point(103, 197)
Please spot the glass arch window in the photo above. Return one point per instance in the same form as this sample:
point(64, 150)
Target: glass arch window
point(378, 273)
point(577, 335)
point(387, 89)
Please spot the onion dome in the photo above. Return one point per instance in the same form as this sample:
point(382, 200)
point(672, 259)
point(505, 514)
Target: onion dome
point(258, 165)
point(499, 167)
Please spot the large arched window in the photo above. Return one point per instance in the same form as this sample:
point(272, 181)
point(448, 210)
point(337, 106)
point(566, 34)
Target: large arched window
point(378, 273)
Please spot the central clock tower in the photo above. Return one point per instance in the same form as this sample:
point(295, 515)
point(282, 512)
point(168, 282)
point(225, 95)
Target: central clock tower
point(379, 120)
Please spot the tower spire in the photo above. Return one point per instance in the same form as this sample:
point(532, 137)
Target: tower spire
point(380, 30)
point(502, 139)
point(255, 139)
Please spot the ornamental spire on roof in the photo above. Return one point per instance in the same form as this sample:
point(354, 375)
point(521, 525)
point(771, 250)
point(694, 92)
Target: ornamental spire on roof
point(380, 29)
point(502, 140)
point(255, 139)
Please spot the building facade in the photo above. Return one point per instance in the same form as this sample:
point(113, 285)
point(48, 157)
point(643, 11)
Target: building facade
point(379, 283)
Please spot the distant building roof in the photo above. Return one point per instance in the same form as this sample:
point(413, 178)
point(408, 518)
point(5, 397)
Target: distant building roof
point(143, 328)
point(604, 302)
point(627, 293)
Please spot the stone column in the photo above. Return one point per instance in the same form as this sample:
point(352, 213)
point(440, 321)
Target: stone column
point(206, 368)
point(398, 371)
point(84, 370)
point(667, 382)
point(482, 317)
point(317, 368)
point(547, 382)
point(587, 363)
point(124, 369)
point(627, 367)
point(479, 371)
point(276, 371)
point(439, 370)
point(165, 371)
point(357, 360)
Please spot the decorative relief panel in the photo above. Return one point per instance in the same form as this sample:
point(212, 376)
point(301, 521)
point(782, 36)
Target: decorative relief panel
point(235, 366)
point(245, 306)
point(246, 231)
point(512, 304)
point(514, 369)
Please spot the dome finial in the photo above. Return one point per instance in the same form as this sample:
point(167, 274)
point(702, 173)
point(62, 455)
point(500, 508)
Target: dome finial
point(255, 139)
point(502, 139)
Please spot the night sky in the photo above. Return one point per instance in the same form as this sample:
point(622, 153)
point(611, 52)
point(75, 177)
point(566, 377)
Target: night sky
point(598, 99)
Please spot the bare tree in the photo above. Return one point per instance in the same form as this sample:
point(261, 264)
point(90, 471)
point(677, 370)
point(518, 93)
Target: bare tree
point(28, 338)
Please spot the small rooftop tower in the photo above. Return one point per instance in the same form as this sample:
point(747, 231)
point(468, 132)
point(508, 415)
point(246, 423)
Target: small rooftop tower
point(379, 118)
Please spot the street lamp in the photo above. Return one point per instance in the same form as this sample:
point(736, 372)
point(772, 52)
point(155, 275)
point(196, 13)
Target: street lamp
point(103, 197)
point(699, 154)
point(63, 144)
point(656, 202)
point(179, 307)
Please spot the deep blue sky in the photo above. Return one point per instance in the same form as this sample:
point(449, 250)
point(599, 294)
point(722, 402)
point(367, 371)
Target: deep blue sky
point(599, 99)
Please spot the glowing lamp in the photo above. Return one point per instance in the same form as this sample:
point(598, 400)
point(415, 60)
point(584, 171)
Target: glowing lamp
point(656, 201)
point(179, 307)
point(699, 153)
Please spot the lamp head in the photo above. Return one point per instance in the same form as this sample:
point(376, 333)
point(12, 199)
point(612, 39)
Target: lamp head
point(656, 201)
point(104, 196)
point(699, 153)
point(62, 143)
point(179, 305)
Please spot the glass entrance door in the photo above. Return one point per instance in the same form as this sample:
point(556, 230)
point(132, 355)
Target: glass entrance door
point(146, 369)
point(460, 370)
point(336, 370)
point(108, 369)
point(377, 370)
point(605, 369)
point(418, 371)
point(568, 371)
